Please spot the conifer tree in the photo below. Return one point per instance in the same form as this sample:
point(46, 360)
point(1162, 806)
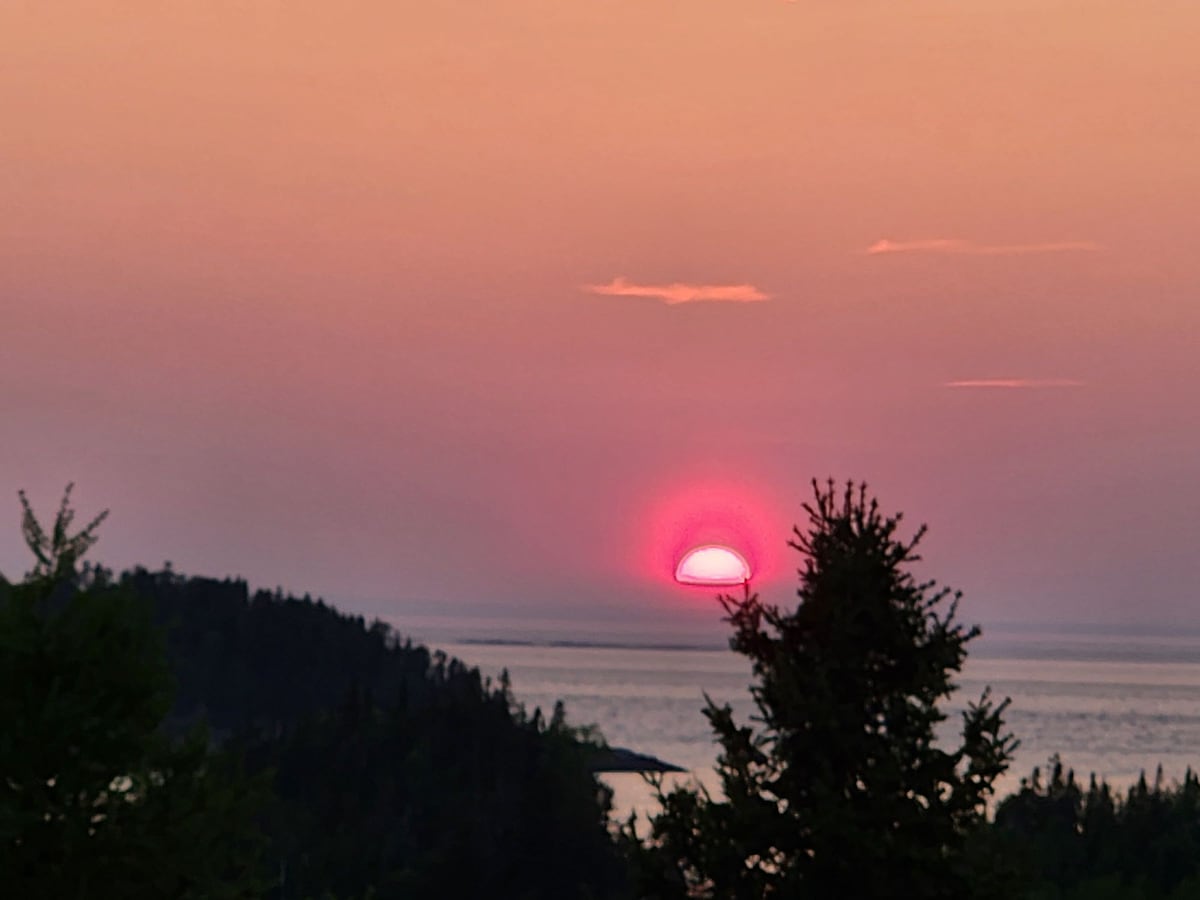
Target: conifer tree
point(95, 801)
point(838, 787)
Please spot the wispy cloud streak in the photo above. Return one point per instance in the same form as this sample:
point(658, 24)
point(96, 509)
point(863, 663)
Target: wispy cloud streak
point(970, 248)
point(1015, 383)
point(681, 292)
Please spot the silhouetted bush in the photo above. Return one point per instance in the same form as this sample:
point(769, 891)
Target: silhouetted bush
point(1096, 843)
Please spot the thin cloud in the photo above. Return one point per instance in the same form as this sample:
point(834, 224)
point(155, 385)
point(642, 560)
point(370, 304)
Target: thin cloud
point(939, 245)
point(681, 292)
point(970, 248)
point(1015, 383)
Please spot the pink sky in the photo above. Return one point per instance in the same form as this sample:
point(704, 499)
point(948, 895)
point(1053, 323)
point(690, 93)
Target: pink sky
point(439, 307)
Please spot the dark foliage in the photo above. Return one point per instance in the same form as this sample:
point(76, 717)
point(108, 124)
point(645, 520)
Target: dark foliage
point(398, 773)
point(1094, 843)
point(95, 800)
point(839, 789)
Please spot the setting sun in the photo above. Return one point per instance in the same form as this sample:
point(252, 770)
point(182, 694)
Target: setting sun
point(712, 565)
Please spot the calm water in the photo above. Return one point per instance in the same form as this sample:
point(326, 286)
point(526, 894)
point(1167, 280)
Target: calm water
point(1113, 704)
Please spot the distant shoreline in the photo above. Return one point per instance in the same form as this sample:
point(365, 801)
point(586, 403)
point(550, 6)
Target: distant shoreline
point(587, 645)
point(1078, 647)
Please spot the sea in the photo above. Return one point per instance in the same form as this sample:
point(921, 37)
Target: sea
point(1115, 702)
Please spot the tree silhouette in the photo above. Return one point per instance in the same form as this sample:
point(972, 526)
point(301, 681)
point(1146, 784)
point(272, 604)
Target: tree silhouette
point(96, 801)
point(1094, 843)
point(57, 551)
point(839, 789)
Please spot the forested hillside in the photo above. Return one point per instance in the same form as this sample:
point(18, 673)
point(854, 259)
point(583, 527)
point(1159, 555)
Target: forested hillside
point(395, 769)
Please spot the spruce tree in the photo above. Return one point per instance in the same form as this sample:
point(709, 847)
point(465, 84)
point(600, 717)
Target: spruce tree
point(838, 787)
point(96, 801)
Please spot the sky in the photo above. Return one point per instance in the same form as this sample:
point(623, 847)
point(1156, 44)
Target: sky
point(491, 309)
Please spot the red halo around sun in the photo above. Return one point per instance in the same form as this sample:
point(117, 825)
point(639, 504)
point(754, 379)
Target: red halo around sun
point(730, 513)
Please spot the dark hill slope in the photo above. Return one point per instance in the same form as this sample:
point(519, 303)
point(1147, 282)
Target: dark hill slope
point(395, 770)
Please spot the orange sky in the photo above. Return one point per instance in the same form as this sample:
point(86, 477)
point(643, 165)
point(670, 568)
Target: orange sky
point(437, 306)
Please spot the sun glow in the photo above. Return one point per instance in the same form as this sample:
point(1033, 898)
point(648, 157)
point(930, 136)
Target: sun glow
point(712, 565)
